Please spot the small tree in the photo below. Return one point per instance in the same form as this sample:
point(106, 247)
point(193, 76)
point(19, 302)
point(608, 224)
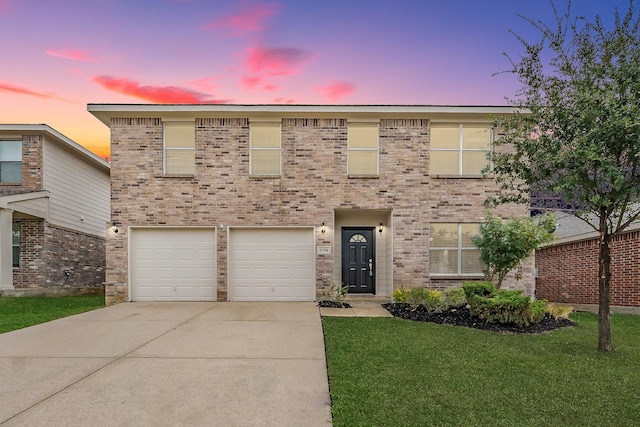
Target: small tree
point(575, 133)
point(505, 245)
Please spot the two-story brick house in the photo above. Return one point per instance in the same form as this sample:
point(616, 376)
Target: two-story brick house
point(54, 205)
point(279, 202)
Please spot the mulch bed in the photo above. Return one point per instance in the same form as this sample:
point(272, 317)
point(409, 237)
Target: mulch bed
point(460, 316)
point(333, 304)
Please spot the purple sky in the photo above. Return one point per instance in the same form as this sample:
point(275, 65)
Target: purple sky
point(59, 55)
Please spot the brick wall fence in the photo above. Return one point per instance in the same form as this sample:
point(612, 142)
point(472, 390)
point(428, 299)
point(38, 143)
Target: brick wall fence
point(568, 272)
point(56, 260)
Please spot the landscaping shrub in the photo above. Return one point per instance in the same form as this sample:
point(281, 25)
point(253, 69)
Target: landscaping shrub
point(558, 311)
point(400, 295)
point(482, 289)
point(454, 297)
point(507, 306)
point(433, 300)
point(417, 296)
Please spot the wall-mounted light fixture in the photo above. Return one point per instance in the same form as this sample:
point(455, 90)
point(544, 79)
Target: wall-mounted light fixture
point(380, 228)
point(114, 227)
point(323, 228)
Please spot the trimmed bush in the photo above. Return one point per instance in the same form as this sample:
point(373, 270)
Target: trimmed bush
point(482, 289)
point(507, 307)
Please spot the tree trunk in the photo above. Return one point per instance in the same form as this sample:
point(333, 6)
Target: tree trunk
point(604, 281)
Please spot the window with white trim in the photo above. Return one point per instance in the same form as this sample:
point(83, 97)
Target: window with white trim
point(451, 252)
point(362, 149)
point(459, 149)
point(179, 148)
point(265, 149)
point(10, 162)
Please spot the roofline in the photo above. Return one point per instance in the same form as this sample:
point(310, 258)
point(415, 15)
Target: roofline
point(104, 112)
point(44, 128)
point(586, 236)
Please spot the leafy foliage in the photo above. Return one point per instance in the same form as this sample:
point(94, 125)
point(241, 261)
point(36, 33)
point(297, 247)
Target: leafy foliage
point(505, 245)
point(575, 133)
point(454, 297)
point(558, 311)
point(482, 289)
point(400, 295)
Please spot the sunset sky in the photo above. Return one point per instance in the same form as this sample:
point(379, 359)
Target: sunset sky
point(59, 55)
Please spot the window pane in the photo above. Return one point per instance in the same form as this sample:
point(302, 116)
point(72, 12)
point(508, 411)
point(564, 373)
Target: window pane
point(179, 135)
point(444, 163)
point(15, 242)
point(362, 135)
point(16, 256)
point(180, 161)
point(265, 162)
point(10, 171)
point(444, 235)
point(471, 263)
point(476, 136)
point(443, 261)
point(445, 136)
point(473, 162)
point(264, 135)
point(11, 151)
point(363, 162)
point(468, 230)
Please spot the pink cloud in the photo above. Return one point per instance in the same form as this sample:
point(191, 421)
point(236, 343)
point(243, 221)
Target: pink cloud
point(284, 101)
point(205, 83)
point(9, 88)
point(72, 54)
point(275, 61)
point(336, 90)
point(251, 18)
point(158, 94)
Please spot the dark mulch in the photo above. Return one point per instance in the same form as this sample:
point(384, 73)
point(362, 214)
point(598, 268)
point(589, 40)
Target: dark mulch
point(460, 316)
point(333, 304)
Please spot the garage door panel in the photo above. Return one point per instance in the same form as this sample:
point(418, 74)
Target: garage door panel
point(272, 264)
point(173, 264)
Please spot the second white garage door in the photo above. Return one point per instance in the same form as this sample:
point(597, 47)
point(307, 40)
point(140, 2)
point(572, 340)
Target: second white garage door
point(271, 264)
point(173, 264)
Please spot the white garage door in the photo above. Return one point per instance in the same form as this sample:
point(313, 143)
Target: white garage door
point(271, 264)
point(173, 264)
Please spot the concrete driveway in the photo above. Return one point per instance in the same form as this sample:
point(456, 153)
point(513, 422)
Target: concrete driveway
point(169, 364)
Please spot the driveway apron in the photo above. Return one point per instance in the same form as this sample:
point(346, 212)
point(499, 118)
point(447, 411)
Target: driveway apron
point(169, 364)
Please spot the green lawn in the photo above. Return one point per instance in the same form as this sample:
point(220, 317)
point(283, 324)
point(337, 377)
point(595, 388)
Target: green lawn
point(393, 372)
point(20, 312)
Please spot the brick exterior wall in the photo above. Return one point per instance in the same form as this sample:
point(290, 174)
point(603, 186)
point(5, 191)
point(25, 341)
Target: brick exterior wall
point(31, 167)
point(314, 184)
point(568, 273)
point(47, 252)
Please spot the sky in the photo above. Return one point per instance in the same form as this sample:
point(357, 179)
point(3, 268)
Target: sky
point(59, 55)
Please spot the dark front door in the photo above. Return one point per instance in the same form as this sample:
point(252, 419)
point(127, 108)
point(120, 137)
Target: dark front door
point(358, 270)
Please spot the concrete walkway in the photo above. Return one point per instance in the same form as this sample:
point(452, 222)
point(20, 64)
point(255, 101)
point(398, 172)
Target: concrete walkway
point(169, 364)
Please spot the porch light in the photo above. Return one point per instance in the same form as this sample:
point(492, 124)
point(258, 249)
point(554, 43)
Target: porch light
point(114, 227)
point(380, 228)
point(323, 228)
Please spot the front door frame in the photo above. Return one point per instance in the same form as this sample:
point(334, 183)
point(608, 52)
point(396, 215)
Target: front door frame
point(343, 256)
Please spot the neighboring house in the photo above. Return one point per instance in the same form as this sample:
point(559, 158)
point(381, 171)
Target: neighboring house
point(54, 208)
point(568, 268)
point(280, 202)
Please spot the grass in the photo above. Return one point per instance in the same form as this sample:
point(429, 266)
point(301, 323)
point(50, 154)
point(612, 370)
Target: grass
point(393, 372)
point(20, 312)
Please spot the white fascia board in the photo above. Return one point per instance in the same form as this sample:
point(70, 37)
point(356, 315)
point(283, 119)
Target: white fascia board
point(104, 112)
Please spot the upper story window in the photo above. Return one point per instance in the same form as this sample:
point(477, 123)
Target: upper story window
point(451, 252)
point(459, 149)
point(362, 149)
point(265, 148)
point(179, 148)
point(10, 161)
